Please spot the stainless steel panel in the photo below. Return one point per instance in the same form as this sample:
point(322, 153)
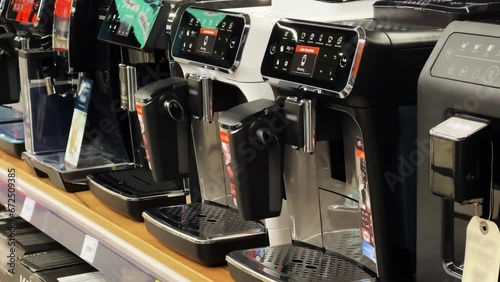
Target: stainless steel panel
point(350, 188)
point(209, 160)
point(302, 196)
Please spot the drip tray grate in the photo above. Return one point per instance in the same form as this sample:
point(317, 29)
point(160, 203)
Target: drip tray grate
point(139, 182)
point(299, 263)
point(208, 220)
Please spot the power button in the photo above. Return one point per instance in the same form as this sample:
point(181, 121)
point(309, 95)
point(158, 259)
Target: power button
point(272, 49)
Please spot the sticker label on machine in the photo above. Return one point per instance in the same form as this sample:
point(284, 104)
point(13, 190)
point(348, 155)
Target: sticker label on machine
point(143, 133)
point(78, 123)
point(226, 150)
point(367, 234)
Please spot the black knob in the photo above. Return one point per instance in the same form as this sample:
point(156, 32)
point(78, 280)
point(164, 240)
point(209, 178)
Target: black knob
point(266, 137)
point(175, 109)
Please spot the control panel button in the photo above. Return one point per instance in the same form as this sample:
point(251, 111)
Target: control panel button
point(451, 69)
point(272, 49)
point(343, 61)
point(232, 43)
point(476, 74)
point(491, 74)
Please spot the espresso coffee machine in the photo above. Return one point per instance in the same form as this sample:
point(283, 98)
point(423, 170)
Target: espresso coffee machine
point(344, 114)
point(218, 52)
point(145, 59)
point(458, 141)
point(51, 81)
point(11, 119)
point(211, 47)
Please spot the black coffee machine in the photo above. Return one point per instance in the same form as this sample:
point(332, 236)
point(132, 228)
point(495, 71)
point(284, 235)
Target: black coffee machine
point(11, 119)
point(146, 59)
point(340, 133)
point(51, 81)
point(217, 50)
point(352, 221)
point(458, 147)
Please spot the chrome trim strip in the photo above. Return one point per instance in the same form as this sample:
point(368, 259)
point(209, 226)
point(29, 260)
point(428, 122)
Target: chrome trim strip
point(176, 193)
point(247, 270)
point(197, 240)
point(354, 67)
point(239, 52)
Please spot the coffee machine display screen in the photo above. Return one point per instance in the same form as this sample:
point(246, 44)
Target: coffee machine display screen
point(210, 38)
point(130, 22)
point(309, 54)
point(24, 11)
point(469, 58)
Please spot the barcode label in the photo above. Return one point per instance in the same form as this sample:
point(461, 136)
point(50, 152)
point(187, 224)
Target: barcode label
point(89, 249)
point(28, 208)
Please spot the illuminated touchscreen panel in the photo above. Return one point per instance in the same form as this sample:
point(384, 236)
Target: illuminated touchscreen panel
point(24, 11)
point(131, 23)
point(209, 37)
point(308, 54)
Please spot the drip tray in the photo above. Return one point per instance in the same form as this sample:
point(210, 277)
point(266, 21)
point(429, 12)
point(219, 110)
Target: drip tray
point(297, 262)
point(204, 232)
point(132, 191)
point(72, 180)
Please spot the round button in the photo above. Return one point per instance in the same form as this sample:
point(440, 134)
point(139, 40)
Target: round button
point(491, 74)
point(272, 49)
point(343, 62)
point(232, 43)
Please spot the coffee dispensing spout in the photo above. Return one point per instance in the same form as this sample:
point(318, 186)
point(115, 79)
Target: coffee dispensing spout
point(253, 136)
point(461, 159)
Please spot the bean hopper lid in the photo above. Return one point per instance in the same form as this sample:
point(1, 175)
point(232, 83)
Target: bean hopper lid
point(438, 13)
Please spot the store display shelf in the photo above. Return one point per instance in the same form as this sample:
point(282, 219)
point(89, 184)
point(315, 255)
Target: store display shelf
point(115, 245)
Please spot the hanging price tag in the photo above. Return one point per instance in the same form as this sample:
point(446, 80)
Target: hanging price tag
point(89, 249)
point(482, 251)
point(28, 208)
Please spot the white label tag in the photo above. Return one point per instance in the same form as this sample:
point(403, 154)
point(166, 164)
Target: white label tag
point(86, 277)
point(482, 251)
point(28, 208)
point(89, 249)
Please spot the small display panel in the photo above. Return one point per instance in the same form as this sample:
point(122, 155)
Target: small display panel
point(315, 55)
point(469, 58)
point(24, 11)
point(130, 22)
point(208, 37)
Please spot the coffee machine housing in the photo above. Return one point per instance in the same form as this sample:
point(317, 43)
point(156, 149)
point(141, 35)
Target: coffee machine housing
point(458, 129)
point(346, 95)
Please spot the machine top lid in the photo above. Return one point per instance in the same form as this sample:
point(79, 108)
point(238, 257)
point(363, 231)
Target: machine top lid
point(437, 13)
point(451, 6)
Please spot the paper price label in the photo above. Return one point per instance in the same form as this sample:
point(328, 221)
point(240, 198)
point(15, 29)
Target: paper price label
point(89, 249)
point(28, 208)
point(482, 251)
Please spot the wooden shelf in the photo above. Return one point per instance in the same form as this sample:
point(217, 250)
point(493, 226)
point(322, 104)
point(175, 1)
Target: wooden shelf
point(126, 251)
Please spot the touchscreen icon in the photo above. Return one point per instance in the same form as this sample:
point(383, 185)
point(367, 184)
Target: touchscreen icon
point(205, 41)
point(311, 37)
point(303, 35)
point(339, 41)
point(320, 37)
point(330, 39)
point(303, 60)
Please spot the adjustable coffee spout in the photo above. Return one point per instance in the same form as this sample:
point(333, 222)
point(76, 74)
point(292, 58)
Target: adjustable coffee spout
point(301, 123)
point(201, 97)
point(164, 124)
point(460, 159)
